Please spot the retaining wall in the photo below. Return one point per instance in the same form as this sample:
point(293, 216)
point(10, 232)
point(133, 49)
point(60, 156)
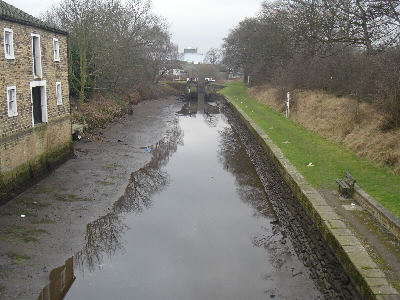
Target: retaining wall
point(30, 154)
point(370, 280)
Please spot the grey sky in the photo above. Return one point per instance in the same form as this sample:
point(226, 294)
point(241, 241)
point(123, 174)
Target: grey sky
point(197, 23)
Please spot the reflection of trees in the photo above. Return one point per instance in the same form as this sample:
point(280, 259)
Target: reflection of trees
point(142, 184)
point(188, 109)
point(103, 236)
point(234, 158)
point(150, 179)
point(210, 112)
point(302, 233)
point(274, 243)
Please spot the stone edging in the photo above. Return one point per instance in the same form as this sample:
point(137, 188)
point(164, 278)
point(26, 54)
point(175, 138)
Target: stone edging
point(384, 217)
point(370, 280)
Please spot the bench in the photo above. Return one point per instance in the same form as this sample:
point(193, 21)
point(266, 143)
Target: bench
point(346, 185)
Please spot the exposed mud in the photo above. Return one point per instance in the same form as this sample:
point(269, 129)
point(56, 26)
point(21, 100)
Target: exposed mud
point(195, 220)
point(185, 230)
point(310, 246)
point(58, 208)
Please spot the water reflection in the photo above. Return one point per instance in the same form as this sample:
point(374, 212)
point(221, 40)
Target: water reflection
point(235, 160)
point(204, 240)
point(151, 178)
point(104, 236)
point(302, 233)
point(191, 108)
point(61, 280)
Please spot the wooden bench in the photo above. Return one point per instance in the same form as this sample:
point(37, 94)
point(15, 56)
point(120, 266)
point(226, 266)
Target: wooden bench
point(346, 185)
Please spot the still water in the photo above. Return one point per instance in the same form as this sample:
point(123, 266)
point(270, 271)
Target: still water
point(194, 223)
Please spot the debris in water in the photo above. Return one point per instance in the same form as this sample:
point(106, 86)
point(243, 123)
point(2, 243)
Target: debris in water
point(310, 164)
point(299, 273)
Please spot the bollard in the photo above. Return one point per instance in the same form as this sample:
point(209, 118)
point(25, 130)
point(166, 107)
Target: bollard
point(287, 104)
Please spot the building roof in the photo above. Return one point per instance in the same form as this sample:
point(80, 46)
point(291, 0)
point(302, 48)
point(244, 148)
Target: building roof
point(13, 14)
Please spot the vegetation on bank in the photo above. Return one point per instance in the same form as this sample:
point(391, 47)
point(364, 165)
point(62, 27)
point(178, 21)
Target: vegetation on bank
point(113, 45)
point(357, 126)
point(330, 159)
point(104, 108)
point(345, 47)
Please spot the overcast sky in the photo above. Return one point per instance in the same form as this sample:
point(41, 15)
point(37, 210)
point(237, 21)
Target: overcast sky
point(196, 23)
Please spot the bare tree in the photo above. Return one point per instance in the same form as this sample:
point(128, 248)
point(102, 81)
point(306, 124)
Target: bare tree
point(212, 56)
point(114, 44)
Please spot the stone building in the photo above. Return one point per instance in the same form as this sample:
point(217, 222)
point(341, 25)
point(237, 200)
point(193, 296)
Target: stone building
point(35, 124)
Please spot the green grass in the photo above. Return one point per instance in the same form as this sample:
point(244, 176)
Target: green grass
point(19, 259)
point(330, 159)
point(69, 198)
point(43, 221)
point(18, 233)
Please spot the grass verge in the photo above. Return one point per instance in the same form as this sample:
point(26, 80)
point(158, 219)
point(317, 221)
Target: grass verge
point(330, 160)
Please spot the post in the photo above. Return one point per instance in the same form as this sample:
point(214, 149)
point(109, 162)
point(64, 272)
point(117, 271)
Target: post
point(248, 79)
point(287, 104)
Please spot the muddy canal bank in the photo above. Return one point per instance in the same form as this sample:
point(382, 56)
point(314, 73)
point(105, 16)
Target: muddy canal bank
point(83, 189)
point(178, 201)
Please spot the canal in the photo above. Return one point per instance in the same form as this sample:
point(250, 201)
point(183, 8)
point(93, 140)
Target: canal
point(198, 222)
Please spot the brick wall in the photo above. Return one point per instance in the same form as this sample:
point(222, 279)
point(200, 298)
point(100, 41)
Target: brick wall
point(20, 142)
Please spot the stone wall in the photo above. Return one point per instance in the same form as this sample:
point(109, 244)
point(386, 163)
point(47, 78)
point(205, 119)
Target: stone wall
point(26, 148)
point(364, 272)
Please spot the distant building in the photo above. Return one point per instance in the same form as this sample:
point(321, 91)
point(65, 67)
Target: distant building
point(35, 121)
point(190, 50)
point(191, 55)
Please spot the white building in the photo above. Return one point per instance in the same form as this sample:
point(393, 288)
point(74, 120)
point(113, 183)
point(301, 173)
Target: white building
point(191, 55)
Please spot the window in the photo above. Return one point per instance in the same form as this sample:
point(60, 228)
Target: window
point(12, 101)
point(8, 43)
point(37, 61)
point(59, 93)
point(62, 279)
point(56, 48)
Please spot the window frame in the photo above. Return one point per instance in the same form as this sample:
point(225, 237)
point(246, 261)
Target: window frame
point(35, 35)
point(59, 96)
point(13, 112)
point(44, 108)
point(12, 54)
point(56, 57)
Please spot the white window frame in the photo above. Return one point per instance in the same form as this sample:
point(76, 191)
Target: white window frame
point(63, 278)
point(11, 55)
point(13, 112)
point(40, 57)
point(42, 83)
point(56, 49)
point(59, 95)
